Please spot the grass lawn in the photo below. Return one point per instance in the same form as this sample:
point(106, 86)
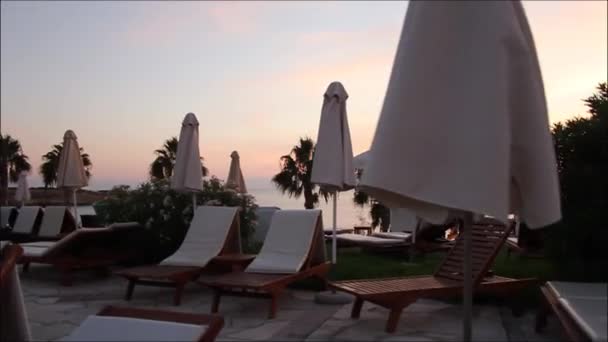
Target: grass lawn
point(356, 264)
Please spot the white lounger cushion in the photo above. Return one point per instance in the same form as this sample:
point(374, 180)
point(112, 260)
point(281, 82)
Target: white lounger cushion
point(108, 328)
point(26, 219)
point(288, 242)
point(569, 290)
point(590, 314)
point(52, 221)
point(393, 235)
point(339, 230)
point(5, 214)
point(205, 238)
point(368, 240)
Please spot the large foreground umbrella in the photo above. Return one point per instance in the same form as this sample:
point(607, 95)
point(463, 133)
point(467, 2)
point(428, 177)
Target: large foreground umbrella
point(464, 125)
point(235, 175)
point(71, 173)
point(333, 158)
point(22, 193)
point(360, 160)
point(188, 171)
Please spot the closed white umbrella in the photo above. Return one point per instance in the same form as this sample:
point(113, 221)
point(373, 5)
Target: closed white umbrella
point(333, 158)
point(188, 173)
point(71, 173)
point(22, 193)
point(235, 175)
point(464, 125)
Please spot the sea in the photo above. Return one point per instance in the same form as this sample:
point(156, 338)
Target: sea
point(348, 214)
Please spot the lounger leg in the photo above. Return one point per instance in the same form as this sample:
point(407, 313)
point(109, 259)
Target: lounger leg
point(273, 305)
point(66, 275)
point(541, 318)
point(215, 305)
point(393, 319)
point(356, 311)
point(130, 288)
point(179, 290)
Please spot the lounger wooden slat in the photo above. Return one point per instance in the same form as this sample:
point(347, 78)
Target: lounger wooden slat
point(253, 282)
point(397, 293)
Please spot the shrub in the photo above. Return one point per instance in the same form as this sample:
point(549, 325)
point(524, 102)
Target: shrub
point(577, 243)
point(166, 213)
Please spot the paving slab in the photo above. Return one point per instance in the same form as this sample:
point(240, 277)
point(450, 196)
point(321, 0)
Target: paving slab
point(54, 311)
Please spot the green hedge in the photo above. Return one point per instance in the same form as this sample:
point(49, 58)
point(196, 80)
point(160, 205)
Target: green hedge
point(166, 213)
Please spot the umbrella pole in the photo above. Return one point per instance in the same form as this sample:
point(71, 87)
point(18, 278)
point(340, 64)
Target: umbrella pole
point(468, 278)
point(78, 223)
point(334, 246)
point(193, 202)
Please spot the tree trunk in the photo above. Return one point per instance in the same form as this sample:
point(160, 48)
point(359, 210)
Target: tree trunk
point(308, 198)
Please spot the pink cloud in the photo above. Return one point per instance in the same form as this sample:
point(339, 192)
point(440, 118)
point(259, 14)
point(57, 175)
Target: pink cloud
point(161, 24)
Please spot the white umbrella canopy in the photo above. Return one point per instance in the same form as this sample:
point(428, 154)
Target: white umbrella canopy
point(71, 173)
point(360, 160)
point(333, 158)
point(22, 193)
point(464, 125)
point(235, 175)
point(187, 173)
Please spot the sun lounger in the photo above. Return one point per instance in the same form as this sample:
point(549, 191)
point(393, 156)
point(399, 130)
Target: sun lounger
point(581, 308)
point(402, 234)
point(57, 221)
point(396, 294)
point(7, 217)
point(293, 250)
point(263, 218)
point(110, 324)
point(82, 248)
point(329, 232)
point(25, 224)
point(214, 231)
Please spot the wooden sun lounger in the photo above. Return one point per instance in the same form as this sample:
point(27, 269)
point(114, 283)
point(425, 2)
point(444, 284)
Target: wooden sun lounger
point(211, 324)
point(571, 329)
point(396, 294)
point(84, 248)
point(159, 319)
point(25, 225)
point(178, 276)
point(270, 285)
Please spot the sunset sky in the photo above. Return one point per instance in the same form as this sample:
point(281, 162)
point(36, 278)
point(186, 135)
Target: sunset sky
point(122, 75)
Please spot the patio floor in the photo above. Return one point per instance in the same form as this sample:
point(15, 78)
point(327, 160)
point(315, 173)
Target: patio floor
point(54, 311)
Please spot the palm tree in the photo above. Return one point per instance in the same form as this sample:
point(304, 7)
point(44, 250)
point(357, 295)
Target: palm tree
point(296, 170)
point(380, 214)
point(162, 166)
point(12, 162)
point(50, 165)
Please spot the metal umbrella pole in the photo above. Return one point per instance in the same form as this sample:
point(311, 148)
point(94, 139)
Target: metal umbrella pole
point(467, 296)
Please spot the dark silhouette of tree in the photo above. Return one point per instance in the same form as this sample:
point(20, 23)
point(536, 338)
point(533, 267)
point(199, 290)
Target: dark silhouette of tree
point(12, 162)
point(163, 164)
point(50, 165)
point(296, 170)
point(581, 147)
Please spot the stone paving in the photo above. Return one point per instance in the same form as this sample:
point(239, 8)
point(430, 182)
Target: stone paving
point(54, 311)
